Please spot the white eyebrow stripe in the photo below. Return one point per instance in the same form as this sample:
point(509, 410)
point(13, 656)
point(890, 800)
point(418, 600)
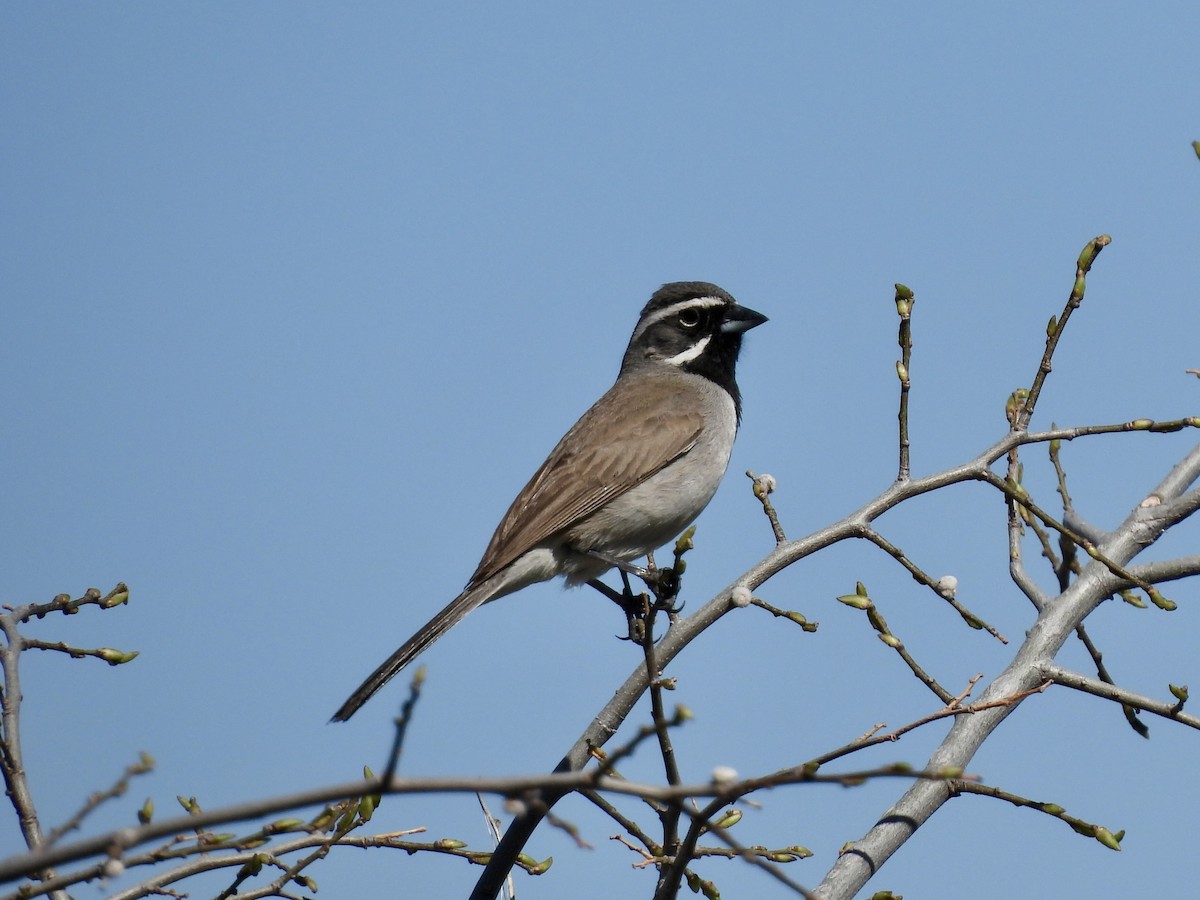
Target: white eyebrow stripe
point(690, 353)
point(694, 303)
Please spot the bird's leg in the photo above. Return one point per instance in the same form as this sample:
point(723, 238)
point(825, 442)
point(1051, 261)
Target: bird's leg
point(617, 597)
point(665, 584)
point(633, 605)
point(619, 564)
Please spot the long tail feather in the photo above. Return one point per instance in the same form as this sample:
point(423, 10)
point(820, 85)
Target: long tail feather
point(429, 632)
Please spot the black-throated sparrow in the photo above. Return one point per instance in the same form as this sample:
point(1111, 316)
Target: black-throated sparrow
point(629, 476)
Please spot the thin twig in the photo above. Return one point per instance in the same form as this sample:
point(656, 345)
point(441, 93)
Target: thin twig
point(1108, 691)
point(919, 575)
point(144, 764)
point(904, 305)
point(1055, 330)
point(402, 722)
point(763, 486)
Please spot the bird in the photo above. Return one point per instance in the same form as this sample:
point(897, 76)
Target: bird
point(636, 469)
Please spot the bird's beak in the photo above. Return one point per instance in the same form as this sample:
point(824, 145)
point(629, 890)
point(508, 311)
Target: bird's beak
point(739, 318)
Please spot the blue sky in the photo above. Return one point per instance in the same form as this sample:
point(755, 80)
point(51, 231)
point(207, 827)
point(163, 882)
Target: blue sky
point(297, 296)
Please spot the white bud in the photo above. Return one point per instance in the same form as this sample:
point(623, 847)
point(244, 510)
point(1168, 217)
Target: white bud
point(741, 596)
point(113, 868)
point(948, 584)
point(724, 775)
point(768, 483)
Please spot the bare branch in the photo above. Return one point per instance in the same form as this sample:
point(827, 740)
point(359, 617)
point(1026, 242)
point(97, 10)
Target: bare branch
point(1056, 327)
point(904, 305)
point(1067, 678)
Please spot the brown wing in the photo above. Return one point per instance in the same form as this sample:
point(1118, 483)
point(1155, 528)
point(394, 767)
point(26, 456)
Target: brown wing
point(644, 431)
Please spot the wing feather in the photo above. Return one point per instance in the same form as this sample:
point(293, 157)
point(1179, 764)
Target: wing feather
point(643, 433)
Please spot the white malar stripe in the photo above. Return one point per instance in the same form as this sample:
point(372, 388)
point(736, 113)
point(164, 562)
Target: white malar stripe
point(674, 308)
point(690, 353)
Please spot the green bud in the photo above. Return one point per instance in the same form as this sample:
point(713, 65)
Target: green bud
point(366, 807)
point(1140, 424)
point(731, 818)
point(1053, 809)
point(780, 857)
point(1162, 602)
point(855, 601)
point(116, 657)
point(252, 866)
point(1180, 692)
point(799, 852)
point(1107, 838)
point(892, 641)
point(189, 804)
point(449, 844)
point(117, 596)
point(1088, 256)
point(800, 620)
point(901, 371)
point(1133, 599)
point(306, 881)
point(542, 867)
point(860, 589)
point(684, 542)
point(1014, 403)
point(683, 714)
point(1051, 325)
point(146, 813)
point(285, 825)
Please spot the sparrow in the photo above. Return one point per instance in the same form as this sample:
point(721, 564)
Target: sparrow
point(629, 476)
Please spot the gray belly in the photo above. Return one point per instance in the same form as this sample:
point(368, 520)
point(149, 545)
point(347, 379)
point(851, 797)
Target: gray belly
point(658, 509)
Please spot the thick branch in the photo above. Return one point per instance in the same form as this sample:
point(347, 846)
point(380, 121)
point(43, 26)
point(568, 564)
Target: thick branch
point(1053, 626)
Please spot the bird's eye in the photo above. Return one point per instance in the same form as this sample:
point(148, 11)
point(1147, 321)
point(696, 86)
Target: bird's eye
point(689, 318)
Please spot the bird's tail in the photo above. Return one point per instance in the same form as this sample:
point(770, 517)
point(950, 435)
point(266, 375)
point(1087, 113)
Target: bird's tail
point(468, 600)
